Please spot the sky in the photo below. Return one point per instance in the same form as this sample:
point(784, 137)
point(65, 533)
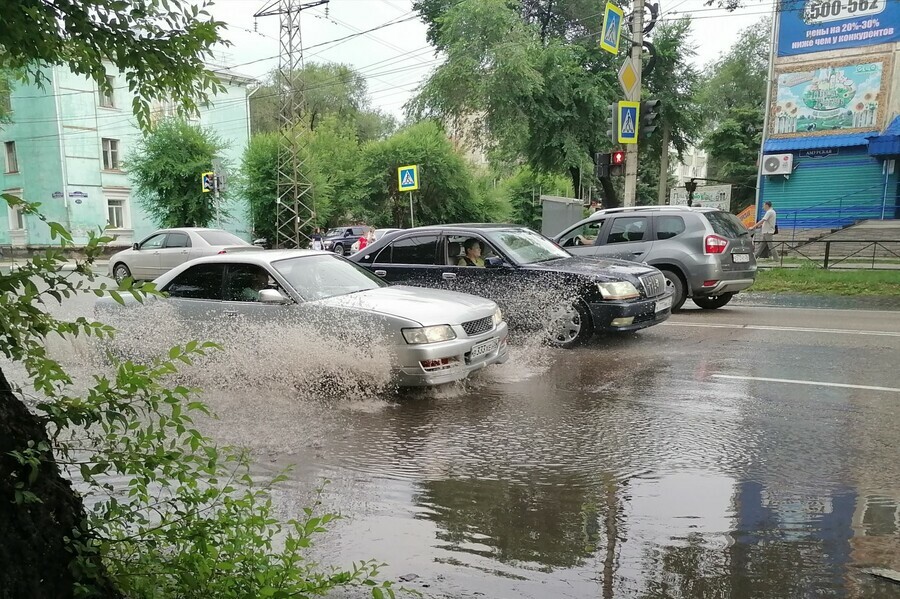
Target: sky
point(396, 59)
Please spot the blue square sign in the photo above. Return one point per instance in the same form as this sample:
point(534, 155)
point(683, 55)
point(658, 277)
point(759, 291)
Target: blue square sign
point(628, 122)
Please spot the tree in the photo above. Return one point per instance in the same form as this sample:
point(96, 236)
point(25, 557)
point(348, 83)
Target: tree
point(527, 75)
point(161, 48)
point(523, 190)
point(259, 185)
point(165, 170)
point(446, 193)
point(198, 537)
point(328, 90)
point(734, 95)
point(676, 83)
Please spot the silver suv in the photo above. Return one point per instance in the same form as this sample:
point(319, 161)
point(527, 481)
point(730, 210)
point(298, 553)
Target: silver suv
point(705, 254)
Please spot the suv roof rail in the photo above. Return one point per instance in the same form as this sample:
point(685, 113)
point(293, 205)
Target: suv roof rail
point(639, 208)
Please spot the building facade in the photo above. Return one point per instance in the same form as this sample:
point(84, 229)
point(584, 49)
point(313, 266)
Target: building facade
point(833, 114)
point(693, 165)
point(66, 146)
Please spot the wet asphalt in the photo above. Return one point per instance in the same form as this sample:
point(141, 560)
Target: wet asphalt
point(655, 464)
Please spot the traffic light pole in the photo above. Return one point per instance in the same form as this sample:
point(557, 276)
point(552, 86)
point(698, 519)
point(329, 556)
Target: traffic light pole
point(631, 150)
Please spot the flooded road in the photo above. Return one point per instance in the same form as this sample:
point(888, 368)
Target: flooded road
point(747, 452)
point(628, 468)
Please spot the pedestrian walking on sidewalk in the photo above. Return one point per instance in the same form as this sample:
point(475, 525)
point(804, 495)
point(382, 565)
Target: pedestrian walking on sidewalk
point(768, 226)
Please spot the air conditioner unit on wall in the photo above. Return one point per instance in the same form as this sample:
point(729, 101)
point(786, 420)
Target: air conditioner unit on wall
point(778, 164)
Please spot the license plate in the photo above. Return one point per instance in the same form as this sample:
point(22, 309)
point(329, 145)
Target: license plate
point(485, 347)
point(740, 257)
point(664, 304)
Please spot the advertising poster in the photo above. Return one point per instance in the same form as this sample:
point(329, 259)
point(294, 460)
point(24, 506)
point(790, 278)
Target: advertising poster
point(806, 26)
point(828, 99)
point(707, 196)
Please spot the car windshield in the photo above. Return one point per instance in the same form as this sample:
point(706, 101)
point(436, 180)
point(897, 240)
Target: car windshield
point(221, 238)
point(527, 247)
point(335, 232)
point(726, 224)
point(323, 276)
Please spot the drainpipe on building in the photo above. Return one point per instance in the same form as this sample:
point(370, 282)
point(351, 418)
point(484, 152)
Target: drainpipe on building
point(250, 95)
point(62, 151)
point(769, 85)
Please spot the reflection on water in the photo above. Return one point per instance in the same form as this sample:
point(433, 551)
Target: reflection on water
point(611, 471)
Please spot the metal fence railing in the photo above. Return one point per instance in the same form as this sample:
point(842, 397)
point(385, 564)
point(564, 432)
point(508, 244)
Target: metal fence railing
point(843, 253)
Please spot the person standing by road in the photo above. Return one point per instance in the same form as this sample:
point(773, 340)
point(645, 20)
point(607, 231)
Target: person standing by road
point(768, 226)
point(317, 240)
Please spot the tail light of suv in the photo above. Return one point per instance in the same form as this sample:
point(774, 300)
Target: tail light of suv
point(714, 244)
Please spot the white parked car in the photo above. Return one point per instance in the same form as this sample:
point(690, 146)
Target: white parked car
point(433, 336)
point(167, 248)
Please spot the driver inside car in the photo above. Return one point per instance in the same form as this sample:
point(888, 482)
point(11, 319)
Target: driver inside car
point(472, 257)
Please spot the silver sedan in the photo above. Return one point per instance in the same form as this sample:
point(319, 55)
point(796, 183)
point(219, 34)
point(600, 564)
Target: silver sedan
point(434, 336)
point(167, 248)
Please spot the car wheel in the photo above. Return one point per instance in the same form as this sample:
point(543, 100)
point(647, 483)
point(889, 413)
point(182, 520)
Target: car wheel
point(570, 326)
point(676, 286)
point(339, 249)
point(712, 302)
point(121, 272)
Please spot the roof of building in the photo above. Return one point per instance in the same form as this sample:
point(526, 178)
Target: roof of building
point(819, 141)
point(888, 143)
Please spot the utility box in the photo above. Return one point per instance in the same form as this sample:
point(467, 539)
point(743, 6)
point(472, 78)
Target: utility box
point(559, 213)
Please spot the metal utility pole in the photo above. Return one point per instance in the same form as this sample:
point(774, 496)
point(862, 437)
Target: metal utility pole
point(295, 204)
point(631, 150)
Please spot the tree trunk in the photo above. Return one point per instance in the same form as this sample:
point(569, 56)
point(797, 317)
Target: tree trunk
point(610, 200)
point(664, 167)
point(35, 558)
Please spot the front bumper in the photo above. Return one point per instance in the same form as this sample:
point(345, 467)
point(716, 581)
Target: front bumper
point(643, 311)
point(411, 373)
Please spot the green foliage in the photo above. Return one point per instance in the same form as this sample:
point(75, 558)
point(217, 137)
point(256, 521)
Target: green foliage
point(815, 280)
point(165, 170)
point(734, 95)
point(161, 47)
point(258, 183)
point(329, 90)
point(523, 190)
point(447, 193)
point(185, 519)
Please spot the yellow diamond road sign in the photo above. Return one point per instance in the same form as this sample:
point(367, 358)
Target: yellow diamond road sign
point(627, 77)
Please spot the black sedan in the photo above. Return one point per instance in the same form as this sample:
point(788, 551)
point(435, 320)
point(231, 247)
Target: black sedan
point(536, 282)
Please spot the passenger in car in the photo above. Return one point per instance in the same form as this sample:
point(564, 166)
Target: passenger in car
point(473, 254)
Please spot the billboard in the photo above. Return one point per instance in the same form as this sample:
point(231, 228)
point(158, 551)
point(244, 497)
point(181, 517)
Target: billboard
point(829, 99)
point(706, 196)
point(806, 26)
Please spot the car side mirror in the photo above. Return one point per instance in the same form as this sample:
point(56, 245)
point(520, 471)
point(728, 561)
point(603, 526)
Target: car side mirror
point(135, 246)
point(493, 262)
point(272, 296)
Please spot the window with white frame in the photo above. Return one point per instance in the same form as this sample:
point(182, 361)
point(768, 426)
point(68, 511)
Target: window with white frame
point(117, 216)
point(12, 161)
point(16, 215)
point(110, 154)
point(107, 98)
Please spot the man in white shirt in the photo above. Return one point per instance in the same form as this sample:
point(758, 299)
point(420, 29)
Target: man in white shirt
point(767, 225)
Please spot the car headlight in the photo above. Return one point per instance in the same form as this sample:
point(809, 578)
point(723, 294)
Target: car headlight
point(618, 290)
point(328, 244)
point(435, 334)
point(498, 316)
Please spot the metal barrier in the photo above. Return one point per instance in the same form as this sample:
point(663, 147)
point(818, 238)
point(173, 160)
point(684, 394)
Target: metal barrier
point(885, 253)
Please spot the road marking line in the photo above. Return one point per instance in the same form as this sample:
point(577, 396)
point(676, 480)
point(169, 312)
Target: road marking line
point(765, 307)
point(760, 327)
point(810, 383)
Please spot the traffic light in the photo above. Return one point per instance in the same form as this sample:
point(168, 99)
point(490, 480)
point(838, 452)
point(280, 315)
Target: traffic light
point(617, 162)
point(612, 123)
point(206, 182)
point(649, 113)
point(602, 160)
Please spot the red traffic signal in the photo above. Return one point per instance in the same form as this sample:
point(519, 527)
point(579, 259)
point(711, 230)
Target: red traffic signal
point(617, 158)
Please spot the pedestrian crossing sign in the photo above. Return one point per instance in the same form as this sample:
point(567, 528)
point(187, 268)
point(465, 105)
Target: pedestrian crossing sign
point(612, 27)
point(408, 178)
point(628, 121)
